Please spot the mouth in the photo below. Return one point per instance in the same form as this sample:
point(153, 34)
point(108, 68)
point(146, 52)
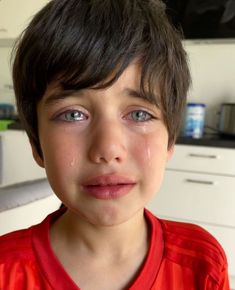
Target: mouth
point(108, 186)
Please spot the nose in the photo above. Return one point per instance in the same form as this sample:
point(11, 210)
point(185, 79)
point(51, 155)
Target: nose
point(108, 143)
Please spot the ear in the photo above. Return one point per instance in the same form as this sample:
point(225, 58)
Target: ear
point(36, 155)
point(170, 152)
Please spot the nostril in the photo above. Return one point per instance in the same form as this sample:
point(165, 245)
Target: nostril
point(107, 153)
point(107, 158)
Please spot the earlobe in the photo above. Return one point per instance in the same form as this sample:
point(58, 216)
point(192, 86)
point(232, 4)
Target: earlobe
point(36, 155)
point(170, 152)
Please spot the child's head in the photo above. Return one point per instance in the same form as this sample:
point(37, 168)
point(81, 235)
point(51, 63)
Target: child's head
point(89, 43)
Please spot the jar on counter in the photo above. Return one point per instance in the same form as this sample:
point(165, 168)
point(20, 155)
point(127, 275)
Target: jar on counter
point(194, 120)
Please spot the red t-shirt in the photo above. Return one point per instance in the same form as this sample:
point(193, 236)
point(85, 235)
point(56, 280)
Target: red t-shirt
point(181, 257)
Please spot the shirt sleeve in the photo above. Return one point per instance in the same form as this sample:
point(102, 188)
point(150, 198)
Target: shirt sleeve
point(224, 281)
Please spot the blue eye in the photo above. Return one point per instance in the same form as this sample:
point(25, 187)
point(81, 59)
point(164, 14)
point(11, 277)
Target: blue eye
point(73, 116)
point(140, 116)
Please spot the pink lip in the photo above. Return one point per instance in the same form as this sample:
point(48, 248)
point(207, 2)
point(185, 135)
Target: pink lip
point(108, 186)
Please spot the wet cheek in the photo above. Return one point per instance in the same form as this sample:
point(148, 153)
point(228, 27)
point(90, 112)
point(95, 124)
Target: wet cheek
point(60, 158)
point(145, 152)
point(150, 155)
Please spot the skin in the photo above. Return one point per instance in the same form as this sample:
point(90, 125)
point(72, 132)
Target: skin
point(108, 132)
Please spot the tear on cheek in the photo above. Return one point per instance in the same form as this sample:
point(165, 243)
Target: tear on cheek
point(72, 162)
point(144, 153)
point(147, 155)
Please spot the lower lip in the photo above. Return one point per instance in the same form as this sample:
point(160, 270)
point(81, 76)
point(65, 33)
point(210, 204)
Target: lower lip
point(108, 191)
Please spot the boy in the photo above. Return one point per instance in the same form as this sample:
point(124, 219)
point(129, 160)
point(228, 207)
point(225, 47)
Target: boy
point(100, 87)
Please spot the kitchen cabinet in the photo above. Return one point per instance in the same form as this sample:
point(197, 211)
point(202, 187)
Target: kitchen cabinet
point(199, 187)
point(26, 197)
point(30, 213)
point(16, 160)
point(15, 15)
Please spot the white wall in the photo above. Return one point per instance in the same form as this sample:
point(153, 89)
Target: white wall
point(212, 67)
point(213, 74)
point(6, 94)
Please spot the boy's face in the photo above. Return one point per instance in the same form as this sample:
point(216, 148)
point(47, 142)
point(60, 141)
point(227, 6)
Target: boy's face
point(105, 150)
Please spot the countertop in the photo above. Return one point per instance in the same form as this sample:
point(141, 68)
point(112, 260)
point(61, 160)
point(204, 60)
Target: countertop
point(210, 140)
point(24, 193)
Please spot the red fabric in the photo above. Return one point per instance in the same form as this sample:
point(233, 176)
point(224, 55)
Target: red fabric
point(193, 260)
point(181, 257)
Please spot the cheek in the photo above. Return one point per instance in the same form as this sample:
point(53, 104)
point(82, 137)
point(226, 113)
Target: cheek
point(151, 156)
point(60, 156)
point(151, 152)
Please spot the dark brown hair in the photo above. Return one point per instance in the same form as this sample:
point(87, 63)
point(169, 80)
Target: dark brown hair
point(89, 43)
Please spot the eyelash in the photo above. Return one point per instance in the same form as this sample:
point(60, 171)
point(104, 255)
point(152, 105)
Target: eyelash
point(140, 114)
point(65, 116)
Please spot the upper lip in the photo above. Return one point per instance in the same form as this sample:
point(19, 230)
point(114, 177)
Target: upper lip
point(110, 179)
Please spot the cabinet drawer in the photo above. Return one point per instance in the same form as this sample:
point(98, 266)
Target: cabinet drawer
point(16, 161)
point(203, 159)
point(196, 197)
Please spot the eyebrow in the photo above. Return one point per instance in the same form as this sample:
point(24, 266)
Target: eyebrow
point(148, 97)
point(61, 95)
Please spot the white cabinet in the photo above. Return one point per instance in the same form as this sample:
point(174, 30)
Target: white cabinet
point(27, 215)
point(15, 15)
point(198, 197)
point(16, 160)
point(199, 187)
point(210, 160)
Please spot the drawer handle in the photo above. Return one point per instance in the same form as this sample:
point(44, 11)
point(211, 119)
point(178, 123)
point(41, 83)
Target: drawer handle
point(203, 156)
point(206, 182)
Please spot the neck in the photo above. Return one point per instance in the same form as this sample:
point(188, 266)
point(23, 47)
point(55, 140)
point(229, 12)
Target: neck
point(116, 241)
point(111, 255)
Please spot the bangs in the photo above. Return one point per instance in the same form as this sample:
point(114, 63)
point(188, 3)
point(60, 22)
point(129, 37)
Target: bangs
point(87, 50)
point(89, 43)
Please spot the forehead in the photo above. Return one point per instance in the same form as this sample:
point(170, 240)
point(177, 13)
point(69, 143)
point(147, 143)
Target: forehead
point(128, 84)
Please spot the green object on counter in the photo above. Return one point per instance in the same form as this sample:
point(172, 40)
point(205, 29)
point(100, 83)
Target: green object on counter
point(4, 124)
